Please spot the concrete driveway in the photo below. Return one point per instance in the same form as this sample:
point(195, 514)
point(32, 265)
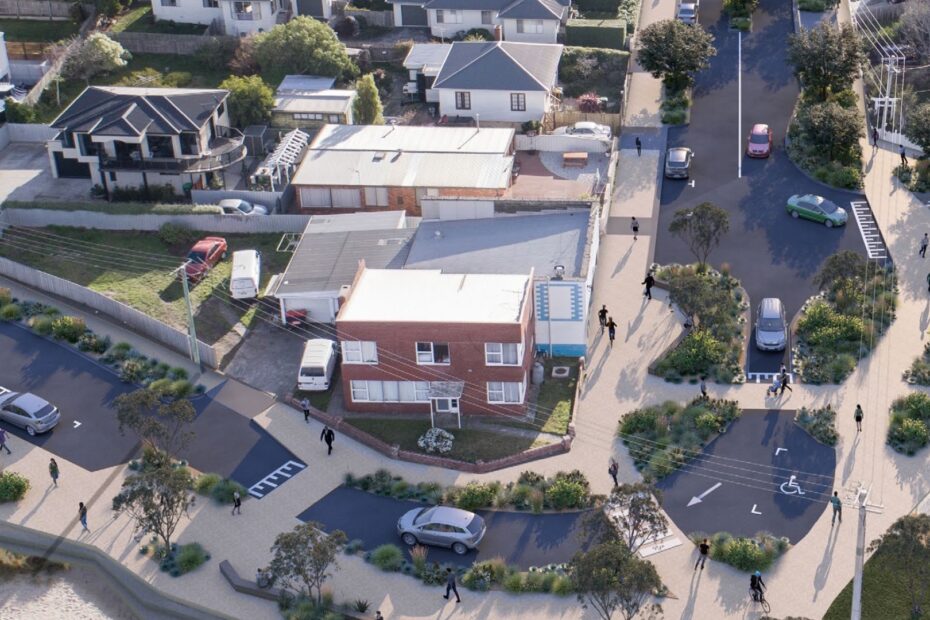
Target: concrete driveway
point(25, 174)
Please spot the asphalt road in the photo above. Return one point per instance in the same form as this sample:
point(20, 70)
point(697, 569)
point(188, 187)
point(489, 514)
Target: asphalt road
point(225, 441)
point(771, 253)
point(521, 538)
point(743, 479)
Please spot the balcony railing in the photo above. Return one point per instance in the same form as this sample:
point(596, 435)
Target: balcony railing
point(226, 149)
point(244, 16)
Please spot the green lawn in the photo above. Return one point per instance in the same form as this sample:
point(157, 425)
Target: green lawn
point(154, 70)
point(556, 397)
point(37, 30)
point(318, 400)
point(153, 290)
point(884, 591)
point(140, 19)
point(469, 445)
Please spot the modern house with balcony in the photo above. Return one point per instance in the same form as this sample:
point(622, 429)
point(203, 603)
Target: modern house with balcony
point(233, 17)
point(118, 136)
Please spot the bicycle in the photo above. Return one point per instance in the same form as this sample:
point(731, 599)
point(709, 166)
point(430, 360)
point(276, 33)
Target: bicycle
point(758, 596)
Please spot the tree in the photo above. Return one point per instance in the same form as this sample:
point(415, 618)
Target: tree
point(17, 112)
point(673, 51)
point(701, 228)
point(367, 105)
point(845, 265)
point(826, 58)
point(157, 496)
point(302, 558)
point(638, 517)
point(917, 129)
point(914, 28)
point(609, 578)
point(98, 53)
point(250, 99)
point(243, 61)
point(907, 543)
point(831, 127)
point(303, 45)
point(160, 425)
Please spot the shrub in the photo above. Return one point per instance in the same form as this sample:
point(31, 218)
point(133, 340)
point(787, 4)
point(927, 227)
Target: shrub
point(132, 371)
point(747, 554)
point(41, 325)
point(205, 483)
point(707, 424)
point(181, 388)
point(222, 491)
point(120, 351)
point(584, 69)
point(177, 372)
point(566, 494)
point(190, 556)
point(436, 440)
point(6, 296)
point(11, 312)
point(696, 354)
point(531, 478)
point(561, 586)
point(92, 343)
point(475, 495)
point(162, 387)
point(514, 582)
point(387, 557)
point(820, 423)
point(176, 234)
point(12, 486)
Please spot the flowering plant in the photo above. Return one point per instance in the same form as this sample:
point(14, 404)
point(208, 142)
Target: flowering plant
point(436, 440)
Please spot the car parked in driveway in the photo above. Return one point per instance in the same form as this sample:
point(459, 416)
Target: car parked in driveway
point(760, 141)
point(235, 206)
point(818, 209)
point(203, 256)
point(28, 411)
point(442, 526)
point(584, 129)
point(678, 163)
point(688, 12)
point(771, 327)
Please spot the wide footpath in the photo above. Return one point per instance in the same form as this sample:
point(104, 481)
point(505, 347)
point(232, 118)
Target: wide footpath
point(802, 583)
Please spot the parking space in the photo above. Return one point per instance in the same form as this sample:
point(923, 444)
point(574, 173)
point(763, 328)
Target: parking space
point(520, 538)
point(25, 174)
point(764, 474)
point(225, 441)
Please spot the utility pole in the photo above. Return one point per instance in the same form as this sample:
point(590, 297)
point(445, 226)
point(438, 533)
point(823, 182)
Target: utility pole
point(191, 330)
point(863, 499)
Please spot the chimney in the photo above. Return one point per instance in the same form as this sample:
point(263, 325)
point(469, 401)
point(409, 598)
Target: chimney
point(498, 33)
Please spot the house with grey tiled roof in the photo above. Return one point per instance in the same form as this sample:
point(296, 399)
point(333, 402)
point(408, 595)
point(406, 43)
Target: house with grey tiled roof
point(118, 136)
point(498, 80)
point(527, 21)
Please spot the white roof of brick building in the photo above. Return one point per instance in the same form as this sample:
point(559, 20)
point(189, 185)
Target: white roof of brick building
point(430, 296)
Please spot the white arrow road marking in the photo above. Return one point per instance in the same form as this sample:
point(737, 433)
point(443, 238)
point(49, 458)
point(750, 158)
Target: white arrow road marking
point(780, 450)
point(76, 424)
point(691, 182)
point(754, 511)
point(698, 499)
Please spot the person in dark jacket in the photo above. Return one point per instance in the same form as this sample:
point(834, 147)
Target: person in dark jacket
point(450, 586)
point(649, 282)
point(328, 435)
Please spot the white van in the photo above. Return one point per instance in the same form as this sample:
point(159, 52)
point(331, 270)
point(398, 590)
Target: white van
point(317, 364)
point(246, 273)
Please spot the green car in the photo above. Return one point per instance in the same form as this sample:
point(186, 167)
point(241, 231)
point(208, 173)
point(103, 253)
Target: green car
point(818, 209)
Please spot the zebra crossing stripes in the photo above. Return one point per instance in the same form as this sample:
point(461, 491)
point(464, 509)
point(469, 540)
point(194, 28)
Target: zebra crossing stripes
point(871, 236)
point(279, 476)
point(768, 377)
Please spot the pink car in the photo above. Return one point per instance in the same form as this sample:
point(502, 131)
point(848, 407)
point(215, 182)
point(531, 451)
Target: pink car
point(760, 141)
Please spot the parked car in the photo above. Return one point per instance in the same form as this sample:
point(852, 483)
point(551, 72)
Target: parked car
point(771, 327)
point(818, 209)
point(235, 206)
point(678, 163)
point(442, 526)
point(28, 411)
point(760, 141)
point(688, 12)
point(584, 129)
point(204, 255)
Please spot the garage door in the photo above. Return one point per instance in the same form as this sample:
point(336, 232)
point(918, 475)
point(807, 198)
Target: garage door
point(346, 198)
point(413, 15)
point(71, 168)
point(313, 8)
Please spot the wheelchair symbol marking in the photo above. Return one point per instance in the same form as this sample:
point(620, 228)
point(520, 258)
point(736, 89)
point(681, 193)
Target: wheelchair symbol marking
point(792, 486)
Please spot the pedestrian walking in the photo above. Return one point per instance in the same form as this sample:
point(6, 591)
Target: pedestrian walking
point(634, 226)
point(649, 281)
point(703, 550)
point(639, 147)
point(3, 445)
point(378, 616)
point(237, 503)
point(82, 514)
point(328, 435)
point(613, 469)
point(450, 586)
point(874, 136)
point(837, 508)
point(923, 246)
point(704, 387)
point(785, 380)
point(611, 330)
point(928, 282)
point(53, 471)
point(859, 416)
point(305, 405)
point(602, 317)
point(903, 154)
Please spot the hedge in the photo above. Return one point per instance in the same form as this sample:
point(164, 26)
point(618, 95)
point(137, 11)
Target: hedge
point(605, 33)
point(118, 208)
point(598, 6)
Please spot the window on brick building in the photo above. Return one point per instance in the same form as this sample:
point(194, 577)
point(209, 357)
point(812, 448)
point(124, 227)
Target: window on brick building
point(505, 392)
point(433, 353)
point(503, 353)
point(359, 352)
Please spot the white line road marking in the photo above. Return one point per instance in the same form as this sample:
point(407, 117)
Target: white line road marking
point(699, 498)
point(76, 424)
point(739, 118)
point(754, 511)
point(780, 450)
point(766, 376)
point(691, 182)
point(259, 489)
point(868, 229)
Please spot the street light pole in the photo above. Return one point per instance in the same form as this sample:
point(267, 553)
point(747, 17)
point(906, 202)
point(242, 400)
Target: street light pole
point(191, 330)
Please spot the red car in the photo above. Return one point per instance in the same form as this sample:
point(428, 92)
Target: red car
point(203, 256)
point(760, 141)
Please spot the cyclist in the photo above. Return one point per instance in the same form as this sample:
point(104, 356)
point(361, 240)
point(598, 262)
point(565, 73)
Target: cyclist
point(756, 586)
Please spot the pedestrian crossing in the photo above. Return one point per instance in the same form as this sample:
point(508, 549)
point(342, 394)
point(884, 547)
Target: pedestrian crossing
point(279, 476)
point(872, 237)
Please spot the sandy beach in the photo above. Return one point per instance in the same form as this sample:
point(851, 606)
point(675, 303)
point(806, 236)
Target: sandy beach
point(79, 593)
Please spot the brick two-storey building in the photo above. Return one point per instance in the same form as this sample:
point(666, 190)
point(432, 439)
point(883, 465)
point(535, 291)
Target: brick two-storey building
point(424, 341)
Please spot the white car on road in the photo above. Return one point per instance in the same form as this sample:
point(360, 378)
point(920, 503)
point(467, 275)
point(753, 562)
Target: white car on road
point(28, 411)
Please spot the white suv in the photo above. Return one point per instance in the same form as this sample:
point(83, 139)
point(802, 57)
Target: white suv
point(688, 12)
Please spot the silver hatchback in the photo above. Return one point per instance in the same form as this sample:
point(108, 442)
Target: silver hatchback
point(771, 327)
point(678, 163)
point(442, 526)
point(27, 411)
